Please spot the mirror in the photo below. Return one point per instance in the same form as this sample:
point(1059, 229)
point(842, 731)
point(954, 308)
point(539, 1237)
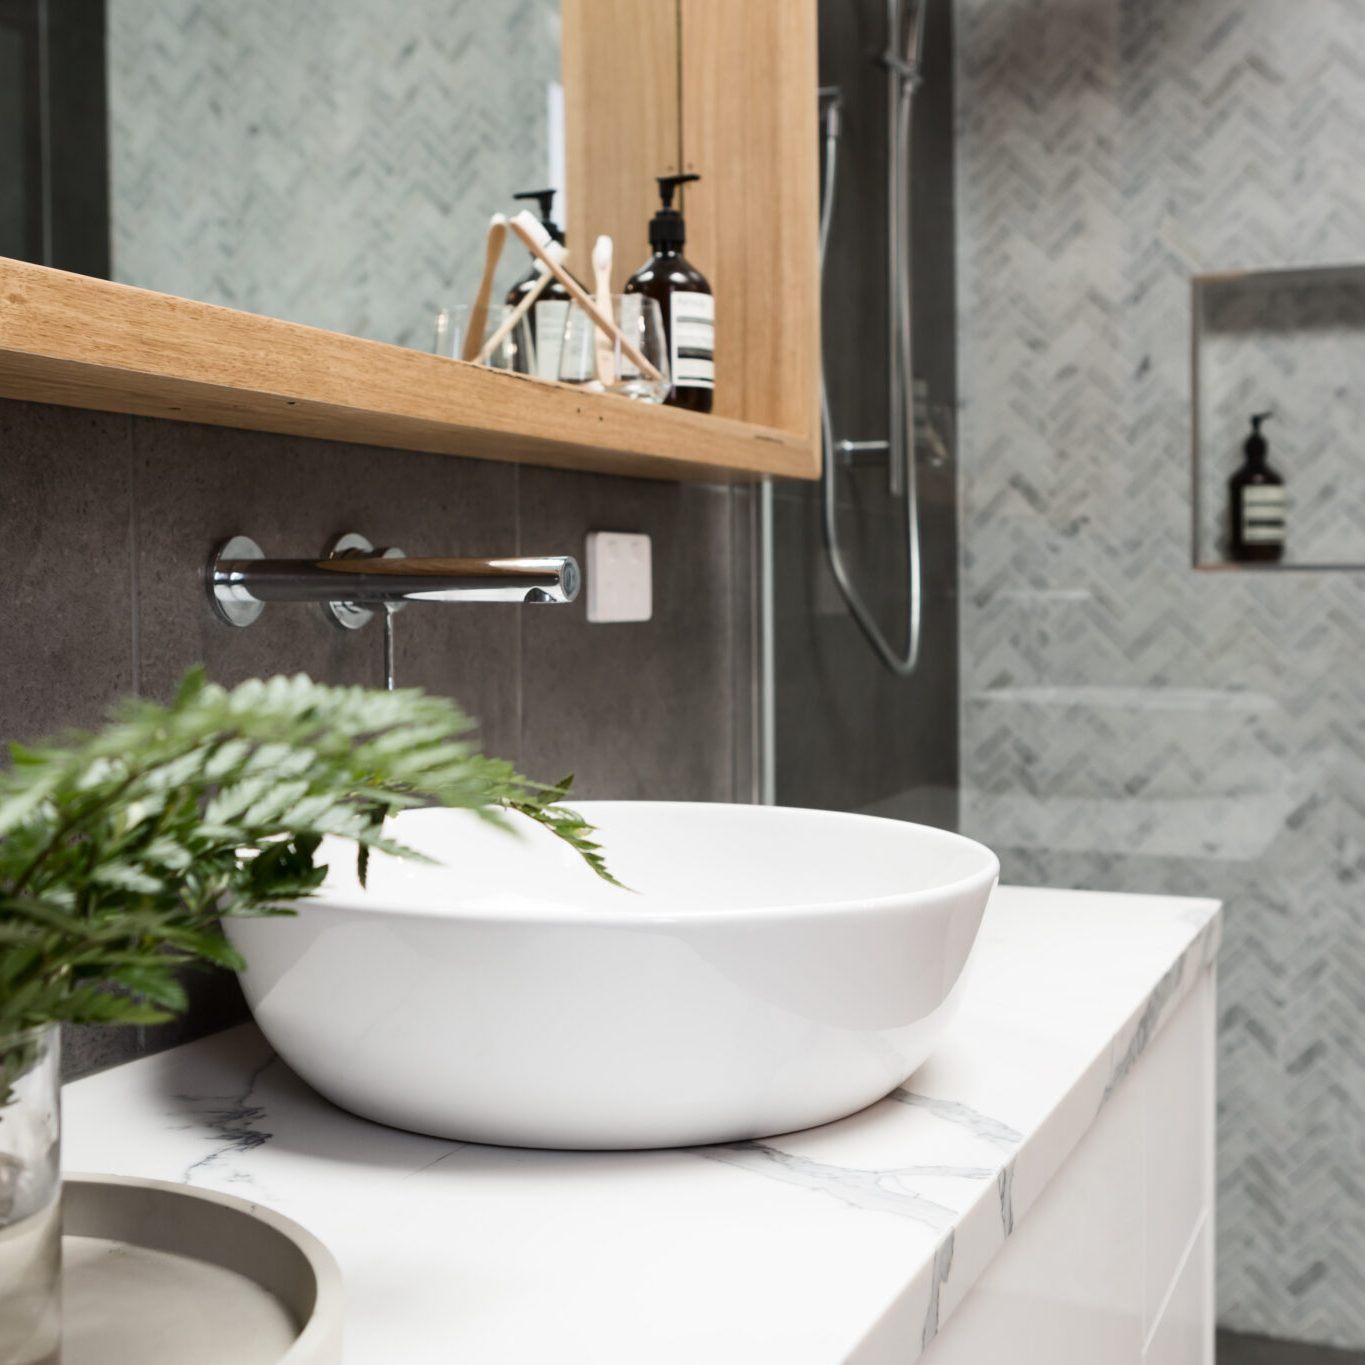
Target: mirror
point(329, 162)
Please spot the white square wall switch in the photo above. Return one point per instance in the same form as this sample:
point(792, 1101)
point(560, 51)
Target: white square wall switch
point(620, 580)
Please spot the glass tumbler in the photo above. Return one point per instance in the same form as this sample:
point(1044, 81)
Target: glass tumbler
point(593, 360)
point(452, 327)
point(30, 1197)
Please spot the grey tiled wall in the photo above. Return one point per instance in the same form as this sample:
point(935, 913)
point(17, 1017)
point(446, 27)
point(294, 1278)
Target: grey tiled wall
point(1128, 723)
point(105, 523)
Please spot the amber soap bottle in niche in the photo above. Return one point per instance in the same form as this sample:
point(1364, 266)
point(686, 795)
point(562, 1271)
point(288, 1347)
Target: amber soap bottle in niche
point(1256, 503)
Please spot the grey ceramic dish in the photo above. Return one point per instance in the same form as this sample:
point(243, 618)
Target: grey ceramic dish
point(162, 1274)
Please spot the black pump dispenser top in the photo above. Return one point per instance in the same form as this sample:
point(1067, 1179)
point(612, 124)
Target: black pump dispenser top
point(667, 232)
point(1256, 444)
point(546, 200)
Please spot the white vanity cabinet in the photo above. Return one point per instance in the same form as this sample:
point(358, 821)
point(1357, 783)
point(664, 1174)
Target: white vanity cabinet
point(1113, 1265)
point(1039, 1193)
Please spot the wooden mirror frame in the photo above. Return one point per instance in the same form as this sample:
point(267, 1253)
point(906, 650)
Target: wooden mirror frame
point(744, 76)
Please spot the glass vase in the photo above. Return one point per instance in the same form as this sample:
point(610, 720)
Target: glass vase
point(30, 1197)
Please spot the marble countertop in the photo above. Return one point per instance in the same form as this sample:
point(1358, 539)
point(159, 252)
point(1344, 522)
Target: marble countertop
point(850, 1242)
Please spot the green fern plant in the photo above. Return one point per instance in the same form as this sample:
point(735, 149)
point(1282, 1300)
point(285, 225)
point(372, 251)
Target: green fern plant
point(121, 850)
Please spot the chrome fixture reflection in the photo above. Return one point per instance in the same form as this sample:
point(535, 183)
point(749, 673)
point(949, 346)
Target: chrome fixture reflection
point(354, 579)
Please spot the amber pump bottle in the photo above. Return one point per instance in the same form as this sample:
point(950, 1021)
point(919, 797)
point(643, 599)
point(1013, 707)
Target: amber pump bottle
point(1256, 503)
point(685, 301)
point(550, 312)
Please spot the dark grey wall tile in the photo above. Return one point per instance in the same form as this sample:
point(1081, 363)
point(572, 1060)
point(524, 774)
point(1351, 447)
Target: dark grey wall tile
point(635, 710)
point(66, 617)
point(195, 486)
point(198, 485)
point(66, 638)
point(643, 710)
point(87, 1048)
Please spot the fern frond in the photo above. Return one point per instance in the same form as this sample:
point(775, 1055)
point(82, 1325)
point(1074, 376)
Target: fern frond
point(120, 850)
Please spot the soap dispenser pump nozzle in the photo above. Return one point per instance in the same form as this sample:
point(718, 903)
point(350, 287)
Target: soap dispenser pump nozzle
point(667, 229)
point(1256, 444)
point(546, 200)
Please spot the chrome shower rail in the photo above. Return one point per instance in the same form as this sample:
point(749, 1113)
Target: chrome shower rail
point(902, 61)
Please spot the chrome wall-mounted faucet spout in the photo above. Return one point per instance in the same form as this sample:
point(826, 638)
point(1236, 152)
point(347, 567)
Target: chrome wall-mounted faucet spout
point(355, 579)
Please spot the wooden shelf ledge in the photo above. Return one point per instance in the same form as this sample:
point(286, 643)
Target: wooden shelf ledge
point(88, 343)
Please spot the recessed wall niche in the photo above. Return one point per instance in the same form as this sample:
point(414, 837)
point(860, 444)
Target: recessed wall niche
point(1290, 343)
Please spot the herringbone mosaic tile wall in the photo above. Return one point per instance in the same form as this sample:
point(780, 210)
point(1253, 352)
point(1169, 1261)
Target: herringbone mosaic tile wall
point(1129, 723)
point(332, 162)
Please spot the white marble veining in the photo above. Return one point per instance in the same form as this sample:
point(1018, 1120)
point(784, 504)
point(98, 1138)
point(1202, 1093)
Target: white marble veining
point(789, 1250)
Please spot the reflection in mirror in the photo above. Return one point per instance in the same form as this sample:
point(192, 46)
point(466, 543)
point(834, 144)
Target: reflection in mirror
point(333, 162)
point(330, 162)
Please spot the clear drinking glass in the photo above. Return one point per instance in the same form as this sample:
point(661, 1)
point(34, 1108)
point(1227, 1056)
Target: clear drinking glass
point(452, 327)
point(30, 1197)
point(593, 360)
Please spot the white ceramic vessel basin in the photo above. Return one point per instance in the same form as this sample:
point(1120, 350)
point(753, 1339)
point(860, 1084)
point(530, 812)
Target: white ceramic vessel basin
point(774, 969)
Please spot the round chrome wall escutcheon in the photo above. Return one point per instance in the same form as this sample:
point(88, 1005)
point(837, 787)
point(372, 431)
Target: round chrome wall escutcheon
point(571, 578)
point(230, 600)
point(352, 615)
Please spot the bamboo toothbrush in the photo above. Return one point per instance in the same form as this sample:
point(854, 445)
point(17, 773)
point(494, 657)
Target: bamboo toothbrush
point(535, 239)
point(478, 315)
point(601, 269)
point(561, 254)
